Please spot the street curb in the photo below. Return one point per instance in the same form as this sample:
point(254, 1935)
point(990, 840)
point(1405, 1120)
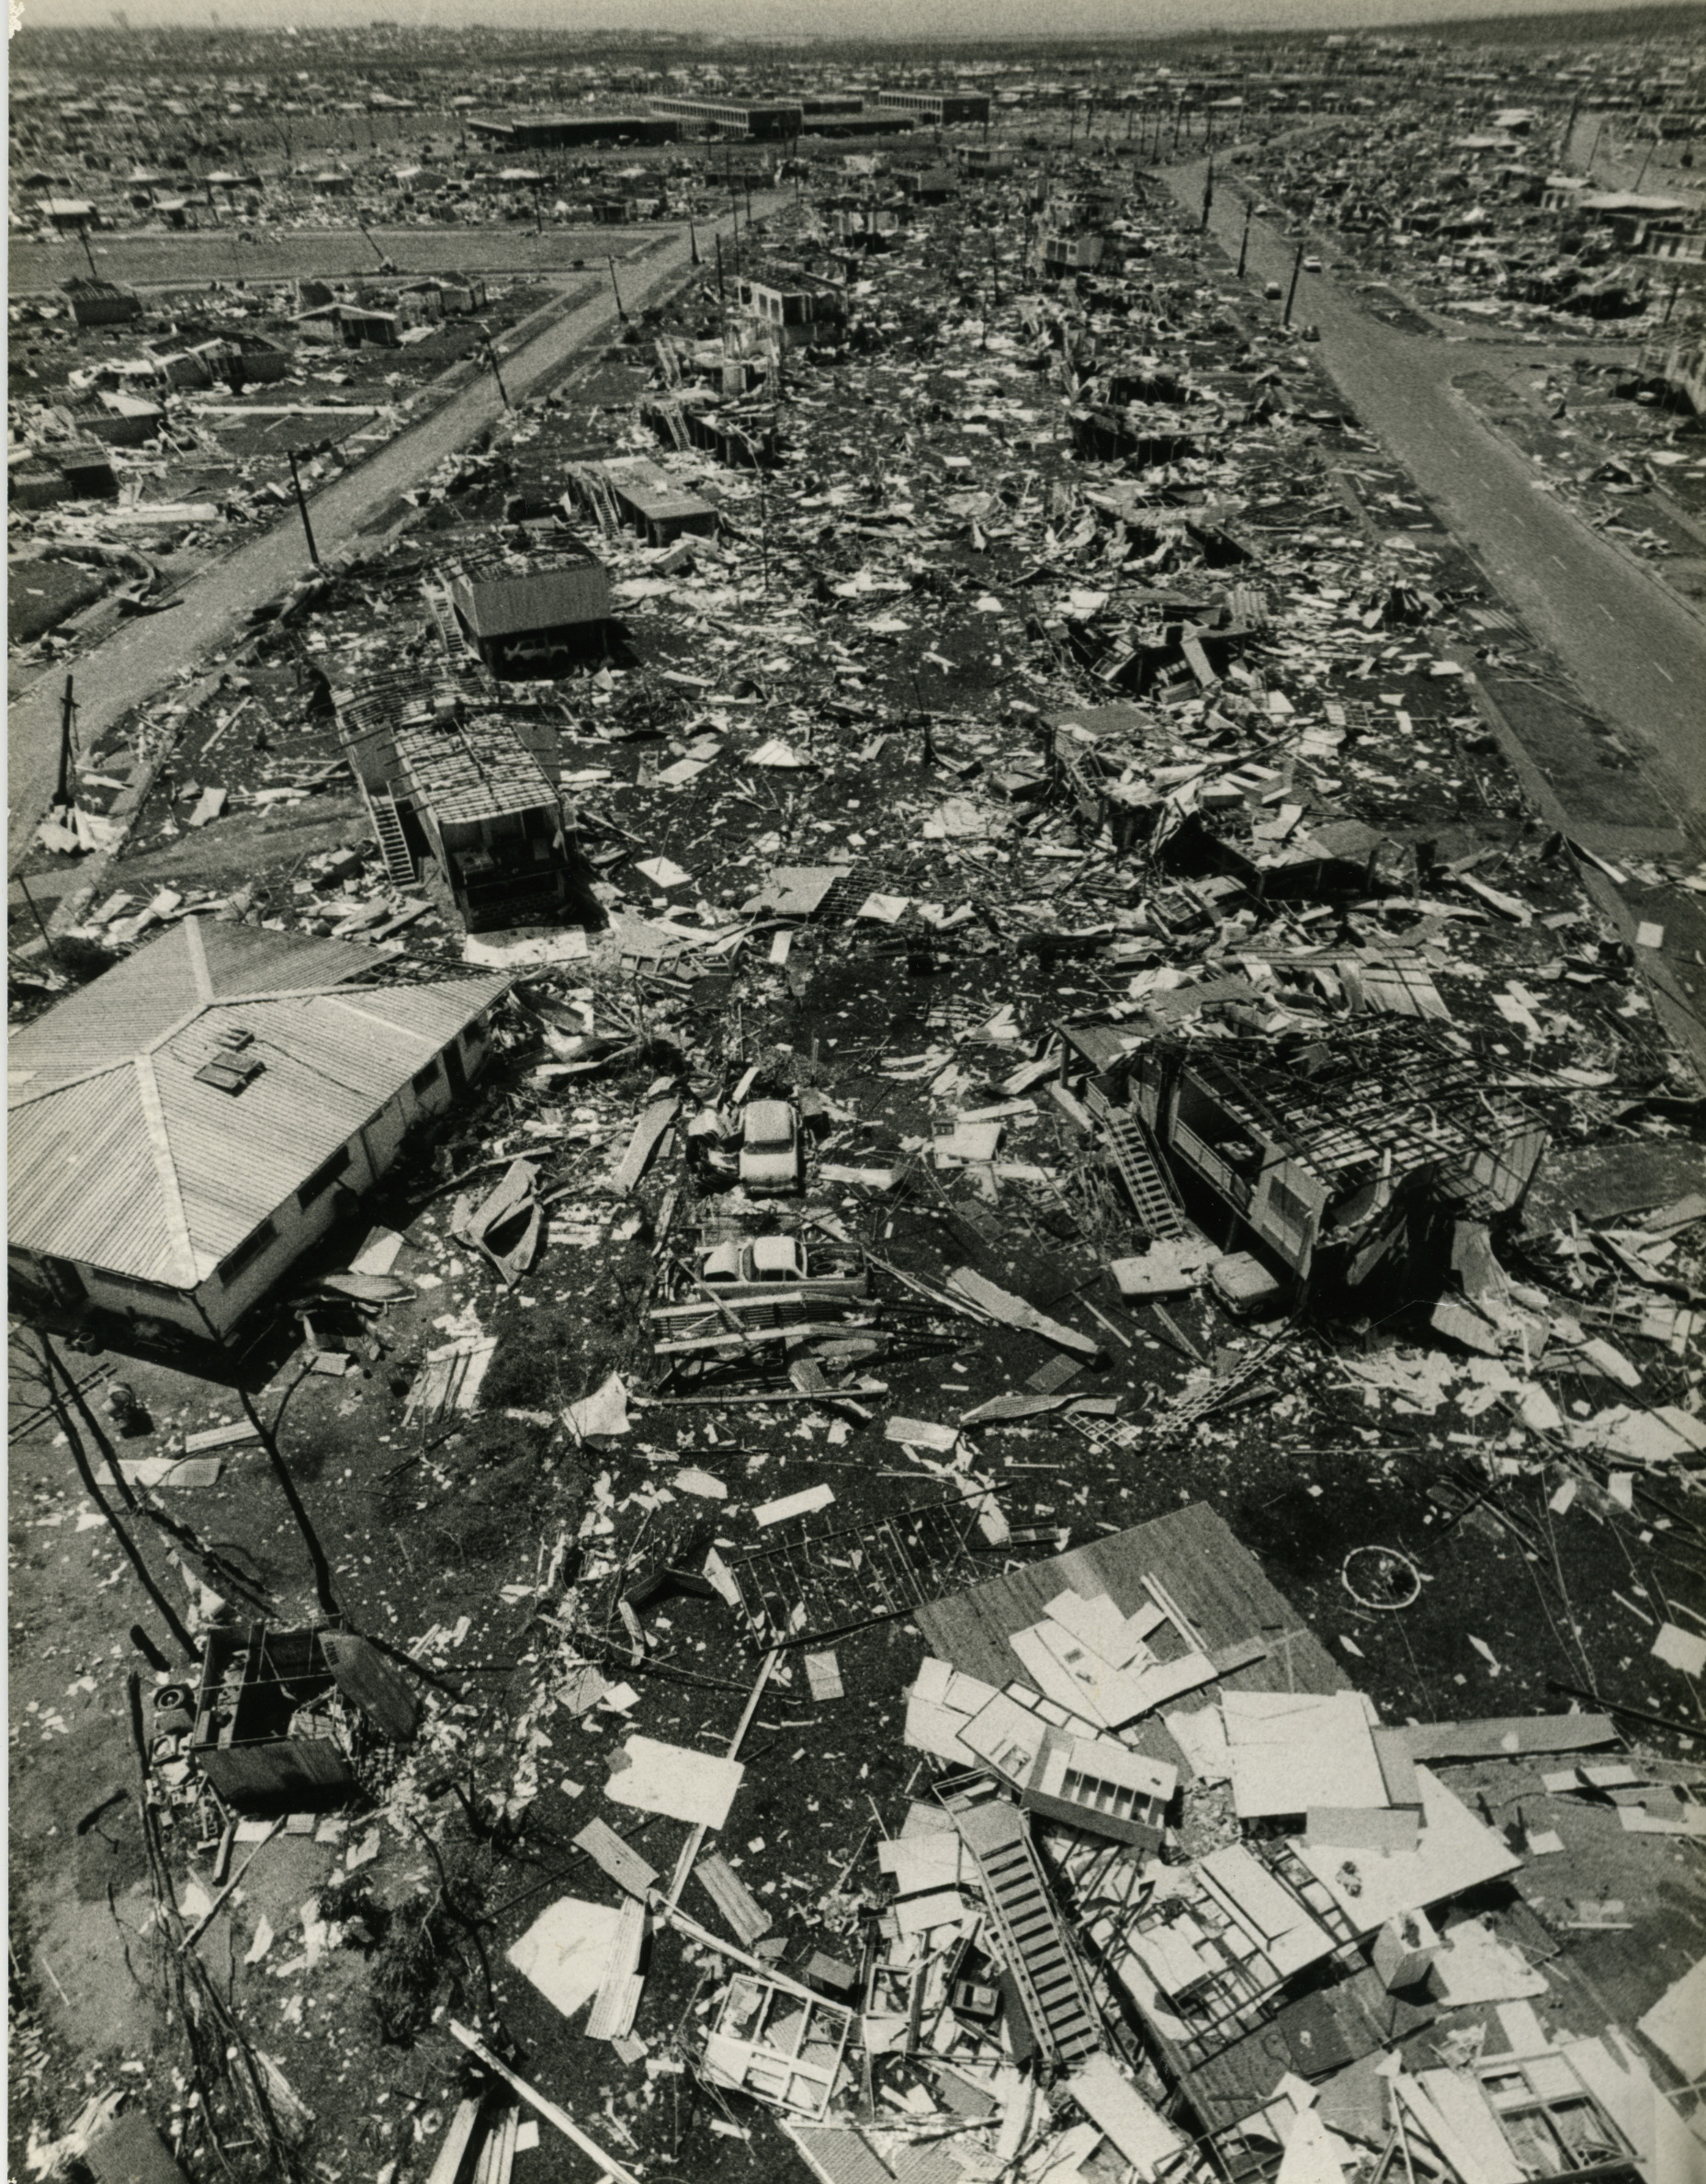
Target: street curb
point(1680, 1018)
point(1566, 508)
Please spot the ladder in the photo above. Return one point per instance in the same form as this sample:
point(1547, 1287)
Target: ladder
point(393, 842)
point(1051, 1981)
point(1139, 1166)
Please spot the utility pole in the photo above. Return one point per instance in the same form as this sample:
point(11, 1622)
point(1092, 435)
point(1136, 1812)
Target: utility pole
point(302, 502)
point(82, 237)
point(613, 290)
point(1297, 266)
point(492, 358)
point(47, 938)
point(722, 300)
point(1208, 192)
point(693, 241)
point(1243, 241)
point(62, 795)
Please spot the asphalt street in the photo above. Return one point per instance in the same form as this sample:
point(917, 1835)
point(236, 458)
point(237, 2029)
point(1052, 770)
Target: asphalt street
point(144, 656)
point(1634, 650)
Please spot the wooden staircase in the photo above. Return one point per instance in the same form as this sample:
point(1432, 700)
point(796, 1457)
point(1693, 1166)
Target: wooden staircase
point(1039, 1954)
point(393, 842)
point(1140, 1169)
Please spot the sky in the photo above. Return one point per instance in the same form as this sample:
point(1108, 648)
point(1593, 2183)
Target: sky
point(908, 19)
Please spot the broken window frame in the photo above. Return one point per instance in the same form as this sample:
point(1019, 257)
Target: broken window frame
point(750, 1992)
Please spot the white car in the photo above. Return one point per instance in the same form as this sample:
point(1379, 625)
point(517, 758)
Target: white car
point(766, 1259)
point(1312, 265)
point(770, 1147)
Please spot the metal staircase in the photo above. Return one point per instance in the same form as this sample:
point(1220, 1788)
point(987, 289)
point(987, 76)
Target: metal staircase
point(1151, 1193)
point(393, 842)
point(1040, 1955)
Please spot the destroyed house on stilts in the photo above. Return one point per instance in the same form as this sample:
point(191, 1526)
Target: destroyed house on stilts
point(469, 793)
point(1341, 1159)
point(532, 611)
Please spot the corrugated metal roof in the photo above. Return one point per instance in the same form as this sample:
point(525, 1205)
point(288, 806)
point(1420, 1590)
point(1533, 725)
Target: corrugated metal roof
point(128, 1162)
point(249, 959)
point(84, 1182)
point(465, 771)
point(109, 1020)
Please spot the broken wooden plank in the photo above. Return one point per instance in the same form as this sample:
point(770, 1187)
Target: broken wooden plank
point(733, 1899)
point(1013, 1311)
point(1112, 2102)
point(647, 1131)
point(452, 2159)
point(1503, 1737)
point(558, 2118)
point(214, 1437)
point(612, 2011)
point(613, 1854)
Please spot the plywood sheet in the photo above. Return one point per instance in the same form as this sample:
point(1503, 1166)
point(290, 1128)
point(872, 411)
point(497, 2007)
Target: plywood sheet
point(1457, 1852)
point(1290, 1753)
point(1507, 1736)
point(1216, 1581)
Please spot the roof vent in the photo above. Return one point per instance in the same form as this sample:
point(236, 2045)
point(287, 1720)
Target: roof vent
point(228, 1076)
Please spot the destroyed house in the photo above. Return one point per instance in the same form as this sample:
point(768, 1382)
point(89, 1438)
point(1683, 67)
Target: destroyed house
point(740, 434)
point(927, 185)
point(351, 325)
point(100, 302)
point(532, 611)
point(1339, 1159)
point(630, 491)
point(1071, 253)
point(794, 312)
point(451, 296)
point(68, 212)
point(182, 1128)
point(474, 796)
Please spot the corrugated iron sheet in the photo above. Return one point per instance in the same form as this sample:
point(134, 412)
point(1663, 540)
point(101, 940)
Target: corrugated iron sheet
point(111, 1019)
point(86, 1183)
point(249, 959)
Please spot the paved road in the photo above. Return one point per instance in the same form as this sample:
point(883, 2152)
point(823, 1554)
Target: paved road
point(147, 260)
point(144, 655)
point(1637, 653)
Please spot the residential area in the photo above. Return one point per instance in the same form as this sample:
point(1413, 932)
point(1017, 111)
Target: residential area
point(856, 1219)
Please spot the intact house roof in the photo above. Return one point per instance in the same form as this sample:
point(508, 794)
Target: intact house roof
point(123, 1157)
